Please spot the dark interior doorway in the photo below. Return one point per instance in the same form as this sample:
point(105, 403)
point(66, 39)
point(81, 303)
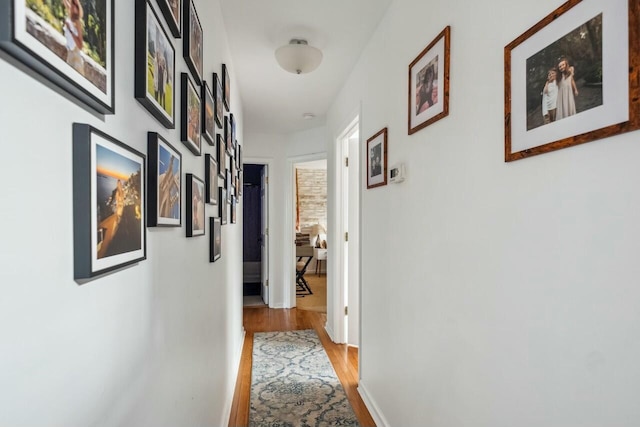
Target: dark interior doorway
point(252, 224)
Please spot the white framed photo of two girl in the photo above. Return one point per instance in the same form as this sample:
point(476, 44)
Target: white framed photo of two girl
point(70, 43)
point(573, 78)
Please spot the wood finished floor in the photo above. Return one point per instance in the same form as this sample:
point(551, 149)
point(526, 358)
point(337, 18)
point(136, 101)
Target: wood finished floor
point(343, 358)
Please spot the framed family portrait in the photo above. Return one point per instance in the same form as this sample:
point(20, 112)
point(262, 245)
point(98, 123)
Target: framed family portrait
point(163, 183)
point(429, 83)
point(211, 176)
point(222, 156)
point(154, 65)
point(218, 95)
point(222, 204)
point(226, 84)
point(70, 43)
point(192, 41)
point(108, 203)
point(215, 239)
point(190, 129)
point(208, 113)
point(377, 159)
point(564, 87)
point(171, 9)
point(194, 205)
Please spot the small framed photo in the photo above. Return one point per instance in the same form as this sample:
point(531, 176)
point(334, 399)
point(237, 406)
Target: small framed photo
point(227, 136)
point(208, 113)
point(563, 87)
point(163, 183)
point(190, 129)
point(56, 40)
point(211, 174)
point(233, 209)
point(218, 95)
point(232, 131)
point(377, 159)
point(429, 83)
point(154, 65)
point(108, 203)
point(195, 206)
point(226, 84)
point(240, 183)
point(215, 239)
point(222, 156)
point(223, 205)
point(192, 41)
point(240, 166)
point(171, 9)
point(229, 186)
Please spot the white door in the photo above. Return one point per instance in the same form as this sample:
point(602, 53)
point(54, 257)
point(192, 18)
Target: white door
point(264, 233)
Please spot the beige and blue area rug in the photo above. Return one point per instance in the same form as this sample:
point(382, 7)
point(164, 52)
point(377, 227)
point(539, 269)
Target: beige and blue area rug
point(293, 383)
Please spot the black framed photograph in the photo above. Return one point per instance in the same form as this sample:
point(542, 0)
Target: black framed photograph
point(233, 209)
point(227, 136)
point(215, 239)
point(239, 156)
point(563, 87)
point(192, 41)
point(70, 43)
point(154, 65)
point(108, 203)
point(223, 205)
point(190, 129)
point(164, 179)
point(228, 183)
point(222, 156)
point(232, 129)
point(208, 113)
point(240, 182)
point(377, 159)
point(226, 84)
point(211, 177)
point(194, 203)
point(171, 9)
point(218, 94)
point(429, 83)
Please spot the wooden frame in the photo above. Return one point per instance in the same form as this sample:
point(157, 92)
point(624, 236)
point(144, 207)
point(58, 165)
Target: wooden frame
point(194, 202)
point(582, 83)
point(164, 199)
point(171, 9)
point(154, 65)
point(38, 41)
point(211, 179)
point(218, 95)
point(190, 129)
point(377, 159)
point(192, 41)
point(226, 84)
point(208, 114)
point(215, 239)
point(108, 203)
point(429, 83)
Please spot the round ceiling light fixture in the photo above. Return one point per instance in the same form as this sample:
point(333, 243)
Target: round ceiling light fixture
point(298, 57)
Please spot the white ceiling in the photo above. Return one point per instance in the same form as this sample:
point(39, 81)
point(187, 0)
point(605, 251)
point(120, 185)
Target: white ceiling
point(274, 100)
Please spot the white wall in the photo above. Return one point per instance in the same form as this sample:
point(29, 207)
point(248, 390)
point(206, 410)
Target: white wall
point(493, 294)
point(280, 151)
point(156, 344)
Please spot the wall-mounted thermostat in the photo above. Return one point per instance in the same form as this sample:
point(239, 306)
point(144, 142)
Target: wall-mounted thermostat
point(396, 174)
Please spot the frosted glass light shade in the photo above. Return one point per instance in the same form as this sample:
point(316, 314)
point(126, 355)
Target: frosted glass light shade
point(298, 57)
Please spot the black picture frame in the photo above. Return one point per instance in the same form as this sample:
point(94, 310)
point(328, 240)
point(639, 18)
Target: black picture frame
point(221, 156)
point(190, 129)
point(109, 229)
point(192, 40)
point(215, 239)
point(228, 183)
point(222, 205)
point(164, 200)
point(154, 81)
point(172, 9)
point(226, 84)
point(218, 95)
point(227, 136)
point(208, 114)
point(194, 203)
point(36, 42)
point(211, 179)
point(240, 166)
point(232, 129)
point(233, 209)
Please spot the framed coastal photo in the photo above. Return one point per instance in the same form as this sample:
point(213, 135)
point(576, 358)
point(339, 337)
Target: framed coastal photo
point(563, 87)
point(163, 183)
point(429, 83)
point(108, 203)
point(192, 41)
point(218, 95)
point(215, 239)
point(226, 84)
point(211, 177)
point(171, 10)
point(208, 113)
point(194, 205)
point(223, 205)
point(377, 159)
point(190, 128)
point(70, 43)
point(154, 65)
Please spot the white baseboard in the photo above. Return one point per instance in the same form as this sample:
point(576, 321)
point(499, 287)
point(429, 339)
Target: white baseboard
point(329, 331)
point(374, 410)
point(226, 414)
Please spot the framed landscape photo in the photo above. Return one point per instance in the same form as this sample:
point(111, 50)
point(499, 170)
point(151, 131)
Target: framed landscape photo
point(192, 41)
point(563, 87)
point(154, 65)
point(171, 9)
point(211, 177)
point(226, 84)
point(190, 129)
point(377, 159)
point(223, 205)
point(429, 83)
point(222, 156)
point(108, 203)
point(70, 43)
point(215, 239)
point(218, 96)
point(208, 113)
point(194, 205)
point(163, 183)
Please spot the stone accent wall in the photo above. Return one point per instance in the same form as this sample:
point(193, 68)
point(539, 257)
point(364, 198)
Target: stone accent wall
point(312, 196)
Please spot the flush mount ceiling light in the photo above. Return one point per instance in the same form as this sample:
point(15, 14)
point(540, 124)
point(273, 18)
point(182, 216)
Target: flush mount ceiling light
point(298, 57)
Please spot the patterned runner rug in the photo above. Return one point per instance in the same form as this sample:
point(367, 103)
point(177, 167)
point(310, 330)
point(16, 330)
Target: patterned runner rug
point(293, 383)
